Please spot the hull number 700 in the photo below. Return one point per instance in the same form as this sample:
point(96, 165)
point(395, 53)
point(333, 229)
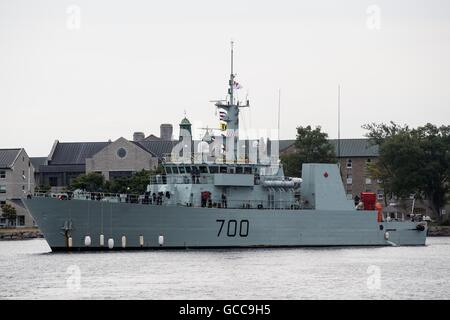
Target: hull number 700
point(233, 228)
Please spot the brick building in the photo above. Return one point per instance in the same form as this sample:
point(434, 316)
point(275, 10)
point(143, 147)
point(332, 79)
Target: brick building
point(16, 182)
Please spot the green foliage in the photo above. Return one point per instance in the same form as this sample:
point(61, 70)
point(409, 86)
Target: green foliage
point(291, 165)
point(379, 132)
point(136, 184)
point(42, 188)
point(139, 182)
point(311, 146)
point(118, 185)
point(91, 182)
point(9, 211)
point(413, 161)
point(95, 182)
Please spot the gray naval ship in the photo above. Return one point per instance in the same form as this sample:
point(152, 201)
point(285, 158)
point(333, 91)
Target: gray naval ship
point(221, 197)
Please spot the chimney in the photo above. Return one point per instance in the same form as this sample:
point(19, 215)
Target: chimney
point(166, 132)
point(138, 136)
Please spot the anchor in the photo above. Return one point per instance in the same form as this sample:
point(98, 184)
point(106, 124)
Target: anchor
point(66, 231)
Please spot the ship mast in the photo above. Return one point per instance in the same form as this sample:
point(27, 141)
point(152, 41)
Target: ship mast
point(232, 110)
point(231, 83)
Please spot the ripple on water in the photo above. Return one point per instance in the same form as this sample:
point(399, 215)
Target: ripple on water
point(30, 271)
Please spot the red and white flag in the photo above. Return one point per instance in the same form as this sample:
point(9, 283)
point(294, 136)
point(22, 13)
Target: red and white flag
point(222, 114)
point(237, 85)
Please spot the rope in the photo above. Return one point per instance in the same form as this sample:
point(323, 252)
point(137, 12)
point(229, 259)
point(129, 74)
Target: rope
point(101, 210)
point(110, 219)
point(89, 215)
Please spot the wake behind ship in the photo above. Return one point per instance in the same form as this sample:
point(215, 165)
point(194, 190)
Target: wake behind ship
point(220, 198)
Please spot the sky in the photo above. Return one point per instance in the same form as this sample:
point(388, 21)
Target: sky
point(99, 70)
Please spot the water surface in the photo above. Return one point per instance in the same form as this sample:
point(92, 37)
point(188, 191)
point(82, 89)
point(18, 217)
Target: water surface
point(29, 271)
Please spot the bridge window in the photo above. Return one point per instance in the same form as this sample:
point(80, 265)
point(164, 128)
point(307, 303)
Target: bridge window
point(248, 170)
point(169, 170)
point(203, 169)
point(182, 170)
point(239, 170)
point(188, 169)
point(214, 169)
point(223, 170)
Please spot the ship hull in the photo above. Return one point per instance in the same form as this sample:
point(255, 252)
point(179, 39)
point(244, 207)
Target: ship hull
point(137, 226)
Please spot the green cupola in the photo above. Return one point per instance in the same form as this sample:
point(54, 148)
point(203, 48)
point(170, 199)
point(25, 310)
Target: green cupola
point(185, 124)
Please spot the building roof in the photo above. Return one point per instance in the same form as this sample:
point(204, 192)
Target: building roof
point(37, 162)
point(348, 147)
point(75, 153)
point(284, 144)
point(157, 148)
point(185, 122)
point(356, 148)
point(152, 137)
point(70, 153)
point(8, 157)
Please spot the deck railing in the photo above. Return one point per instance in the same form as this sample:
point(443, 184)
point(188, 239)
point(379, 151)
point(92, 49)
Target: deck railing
point(161, 199)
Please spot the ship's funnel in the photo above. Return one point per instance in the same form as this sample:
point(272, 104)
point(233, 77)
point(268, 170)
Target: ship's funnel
point(322, 187)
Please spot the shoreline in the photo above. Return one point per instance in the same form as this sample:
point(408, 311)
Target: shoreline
point(438, 231)
point(11, 234)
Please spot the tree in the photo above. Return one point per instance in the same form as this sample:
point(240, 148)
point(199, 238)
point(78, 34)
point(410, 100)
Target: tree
point(291, 164)
point(95, 182)
point(139, 182)
point(379, 132)
point(311, 146)
point(9, 211)
point(435, 184)
point(42, 188)
point(413, 161)
point(136, 184)
point(91, 182)
point(118, 185)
